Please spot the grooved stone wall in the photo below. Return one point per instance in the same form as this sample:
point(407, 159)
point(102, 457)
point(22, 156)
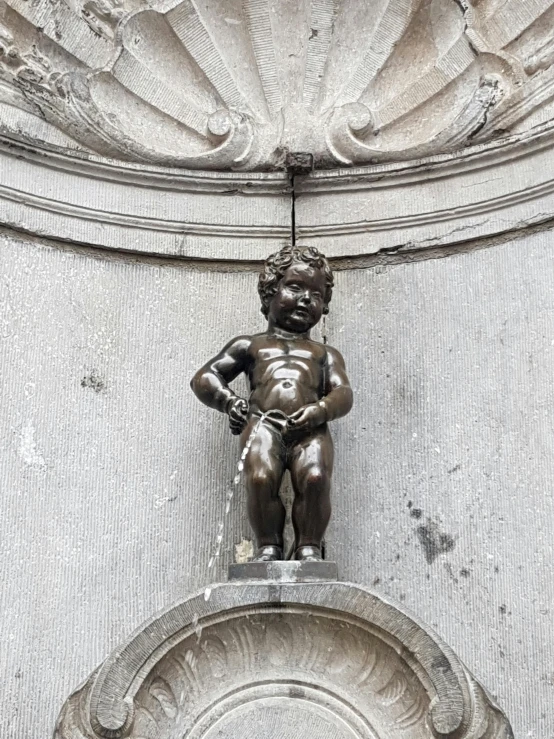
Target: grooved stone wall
point(114, 476)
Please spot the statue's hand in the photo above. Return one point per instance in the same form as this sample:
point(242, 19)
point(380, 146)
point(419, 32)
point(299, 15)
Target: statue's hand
point(307, 418)
point(238, 415)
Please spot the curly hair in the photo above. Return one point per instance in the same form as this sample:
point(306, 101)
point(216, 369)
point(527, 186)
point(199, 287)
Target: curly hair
point(277, 264)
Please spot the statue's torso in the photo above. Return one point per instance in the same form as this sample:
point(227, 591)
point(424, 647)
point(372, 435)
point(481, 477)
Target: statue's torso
point(285, 374)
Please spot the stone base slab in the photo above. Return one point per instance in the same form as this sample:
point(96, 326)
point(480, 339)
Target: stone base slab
point(284, 571)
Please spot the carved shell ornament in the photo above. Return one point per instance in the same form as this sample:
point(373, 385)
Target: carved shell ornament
point(234, 84)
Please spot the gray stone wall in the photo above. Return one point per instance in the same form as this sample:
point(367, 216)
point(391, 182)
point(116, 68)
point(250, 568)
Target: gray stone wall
point(114, 476)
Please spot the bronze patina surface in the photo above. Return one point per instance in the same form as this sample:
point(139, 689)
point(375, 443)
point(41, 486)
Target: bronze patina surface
point(297, 386)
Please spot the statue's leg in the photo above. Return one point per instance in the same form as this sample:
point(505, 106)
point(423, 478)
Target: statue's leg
point(311, 467)
point(263, 471)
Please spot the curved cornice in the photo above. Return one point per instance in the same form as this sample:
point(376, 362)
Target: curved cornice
point(91, 166)
point(143, 209)
point(444, 200)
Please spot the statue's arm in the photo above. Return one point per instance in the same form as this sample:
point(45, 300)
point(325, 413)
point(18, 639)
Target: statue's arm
point(211, 383)
point(338, 393)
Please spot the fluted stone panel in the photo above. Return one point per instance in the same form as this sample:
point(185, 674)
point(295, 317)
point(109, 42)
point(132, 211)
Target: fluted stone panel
point(114, 476)
point(236, 84)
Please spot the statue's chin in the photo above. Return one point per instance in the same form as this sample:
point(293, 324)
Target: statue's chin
point(300, 323)
point(299, 327)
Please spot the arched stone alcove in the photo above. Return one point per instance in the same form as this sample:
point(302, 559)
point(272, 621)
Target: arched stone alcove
point(143, 178)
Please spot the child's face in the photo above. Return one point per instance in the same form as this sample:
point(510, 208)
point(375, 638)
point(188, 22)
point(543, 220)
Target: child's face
point(299, 301)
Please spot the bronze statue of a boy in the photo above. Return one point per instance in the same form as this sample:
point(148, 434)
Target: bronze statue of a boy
point(297, 386)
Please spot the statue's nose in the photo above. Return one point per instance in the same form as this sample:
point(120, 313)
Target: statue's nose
point(304, 299)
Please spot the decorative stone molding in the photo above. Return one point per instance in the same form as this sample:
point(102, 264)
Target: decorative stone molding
point(234, 85)
point(144, 210)
point(282, 660)
point(492, 189)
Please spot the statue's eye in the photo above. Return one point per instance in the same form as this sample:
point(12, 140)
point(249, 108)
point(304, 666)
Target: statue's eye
point(316, 294)
point(293, 286)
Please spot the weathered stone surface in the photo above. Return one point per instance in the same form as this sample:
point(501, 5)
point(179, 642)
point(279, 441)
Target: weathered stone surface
point(270, 658)
point(112, 498)
point(234, 85)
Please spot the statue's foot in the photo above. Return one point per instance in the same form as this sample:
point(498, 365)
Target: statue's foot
point(308, 554)
point(268, 554)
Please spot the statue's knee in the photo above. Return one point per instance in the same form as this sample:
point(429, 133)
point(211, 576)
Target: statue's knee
point(261, 479)
point(315, 477)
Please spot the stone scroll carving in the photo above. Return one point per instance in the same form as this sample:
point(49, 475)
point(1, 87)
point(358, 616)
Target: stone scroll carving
point(234, 86)
point(282, 660)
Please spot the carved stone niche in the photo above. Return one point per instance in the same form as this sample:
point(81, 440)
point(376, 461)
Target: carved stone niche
point(282, 661)
point(234, 85)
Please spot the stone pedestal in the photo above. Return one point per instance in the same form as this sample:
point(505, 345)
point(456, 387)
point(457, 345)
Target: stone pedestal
point(285, 571)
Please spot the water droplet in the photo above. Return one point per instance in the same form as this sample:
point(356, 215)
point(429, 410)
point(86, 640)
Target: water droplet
point(207, 594)
point(237, 479)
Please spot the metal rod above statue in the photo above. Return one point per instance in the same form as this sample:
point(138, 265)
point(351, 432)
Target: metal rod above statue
point(297, 385)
